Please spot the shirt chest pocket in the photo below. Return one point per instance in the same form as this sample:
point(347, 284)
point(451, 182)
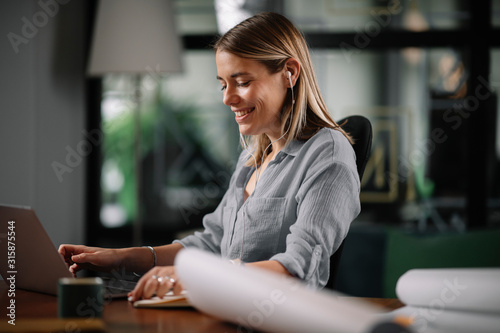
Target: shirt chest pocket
point(259, 227)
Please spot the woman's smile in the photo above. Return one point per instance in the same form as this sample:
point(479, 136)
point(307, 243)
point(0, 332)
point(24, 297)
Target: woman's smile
point(240, 114)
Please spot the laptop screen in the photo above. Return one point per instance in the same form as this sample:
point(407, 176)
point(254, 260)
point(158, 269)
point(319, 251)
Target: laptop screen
point(31, 259)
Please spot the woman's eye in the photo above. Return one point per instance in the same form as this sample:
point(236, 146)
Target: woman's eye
point(243, 84)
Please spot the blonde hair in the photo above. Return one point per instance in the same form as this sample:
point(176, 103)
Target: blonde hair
point(272, 39)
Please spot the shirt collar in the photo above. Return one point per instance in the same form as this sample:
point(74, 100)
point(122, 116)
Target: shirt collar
point(293, 147)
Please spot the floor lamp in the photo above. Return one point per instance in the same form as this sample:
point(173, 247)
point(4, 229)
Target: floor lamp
point(137, 38)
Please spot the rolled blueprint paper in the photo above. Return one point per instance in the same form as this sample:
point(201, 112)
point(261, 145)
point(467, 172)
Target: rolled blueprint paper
point(266, 301)
point(469, 289)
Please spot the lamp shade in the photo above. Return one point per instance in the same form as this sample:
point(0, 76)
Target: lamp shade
point(132, 36)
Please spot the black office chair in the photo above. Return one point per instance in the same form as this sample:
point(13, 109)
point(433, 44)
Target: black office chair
point(360, 129)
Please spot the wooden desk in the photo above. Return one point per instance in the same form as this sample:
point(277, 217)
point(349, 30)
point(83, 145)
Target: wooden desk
point(121, 316)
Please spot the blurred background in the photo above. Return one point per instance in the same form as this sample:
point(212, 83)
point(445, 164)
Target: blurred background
point(120, 157)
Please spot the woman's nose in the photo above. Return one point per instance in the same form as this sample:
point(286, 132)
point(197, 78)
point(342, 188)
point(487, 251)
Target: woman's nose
point(230, 96)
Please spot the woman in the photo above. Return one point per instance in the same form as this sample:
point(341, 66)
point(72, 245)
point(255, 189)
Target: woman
point(295, 189)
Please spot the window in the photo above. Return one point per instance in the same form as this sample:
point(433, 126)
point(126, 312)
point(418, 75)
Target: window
point(372, 16)
point(188, 146)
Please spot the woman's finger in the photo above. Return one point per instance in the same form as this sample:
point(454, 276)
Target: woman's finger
point(75, 268)
point(165, 284)
point(178, 288)
point(146, 286)
point(135, 294)
point(158, 281)
point(150, 287)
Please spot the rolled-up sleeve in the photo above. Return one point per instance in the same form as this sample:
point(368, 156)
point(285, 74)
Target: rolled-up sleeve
point(327, 203)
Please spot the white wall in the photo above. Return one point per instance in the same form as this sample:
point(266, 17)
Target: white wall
point(42, 111)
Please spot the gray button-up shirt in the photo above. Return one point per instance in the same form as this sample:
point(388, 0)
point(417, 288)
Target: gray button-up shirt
point(298, 214)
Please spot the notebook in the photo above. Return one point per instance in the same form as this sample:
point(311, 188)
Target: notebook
point(30, 259)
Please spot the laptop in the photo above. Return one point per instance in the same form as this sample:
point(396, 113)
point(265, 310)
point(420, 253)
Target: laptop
point(29, 257)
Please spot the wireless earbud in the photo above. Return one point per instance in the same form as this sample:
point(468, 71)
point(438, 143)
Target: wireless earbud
point(289, 76)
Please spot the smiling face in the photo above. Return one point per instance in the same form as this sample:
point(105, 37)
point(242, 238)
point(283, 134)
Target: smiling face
point(254, 95)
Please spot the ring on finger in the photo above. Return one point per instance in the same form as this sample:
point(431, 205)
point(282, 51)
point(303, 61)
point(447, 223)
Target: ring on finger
point(169, 279)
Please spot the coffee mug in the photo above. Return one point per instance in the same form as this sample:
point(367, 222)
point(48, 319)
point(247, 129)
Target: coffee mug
point(80, 298)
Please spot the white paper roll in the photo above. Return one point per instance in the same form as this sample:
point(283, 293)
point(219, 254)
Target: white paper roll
point(470, 289)
point(252, 297)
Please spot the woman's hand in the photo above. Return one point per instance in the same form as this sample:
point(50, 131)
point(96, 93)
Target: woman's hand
point(79, 257)
point(158, 281)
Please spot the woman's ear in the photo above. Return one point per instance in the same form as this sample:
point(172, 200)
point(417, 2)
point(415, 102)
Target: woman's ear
point(293, 66)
